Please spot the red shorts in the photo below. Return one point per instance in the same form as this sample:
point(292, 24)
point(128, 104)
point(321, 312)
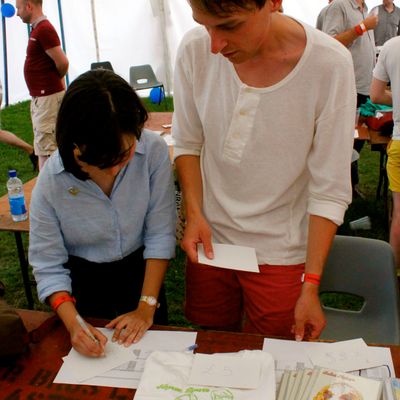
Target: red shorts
point(237, 300)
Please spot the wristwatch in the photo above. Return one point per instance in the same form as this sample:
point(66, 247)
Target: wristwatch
point(150, 300)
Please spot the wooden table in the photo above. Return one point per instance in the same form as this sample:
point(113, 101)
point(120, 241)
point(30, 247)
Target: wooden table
point(155, 122)
point(31, 376)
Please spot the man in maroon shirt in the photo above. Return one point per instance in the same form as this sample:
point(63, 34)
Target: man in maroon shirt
point(44, 70)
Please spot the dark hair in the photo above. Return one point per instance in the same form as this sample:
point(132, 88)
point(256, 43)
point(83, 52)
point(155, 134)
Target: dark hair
point(222, 7)
point(97, 109)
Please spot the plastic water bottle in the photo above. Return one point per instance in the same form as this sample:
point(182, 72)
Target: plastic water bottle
point(16, 197)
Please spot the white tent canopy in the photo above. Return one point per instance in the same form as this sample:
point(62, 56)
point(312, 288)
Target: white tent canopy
point(126, 33)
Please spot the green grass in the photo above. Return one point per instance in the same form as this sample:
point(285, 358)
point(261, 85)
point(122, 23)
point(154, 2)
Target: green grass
point(16, 119)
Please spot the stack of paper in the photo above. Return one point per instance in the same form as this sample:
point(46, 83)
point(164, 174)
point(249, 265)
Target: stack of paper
point(353, 356)
point(327, 384)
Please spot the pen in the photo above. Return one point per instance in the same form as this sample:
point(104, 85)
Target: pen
point(192, 347)
point(82, 323)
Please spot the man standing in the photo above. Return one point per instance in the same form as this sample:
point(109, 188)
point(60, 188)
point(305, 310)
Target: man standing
point(321, 16)
point(347, 21)
point(44, 70)
point(388, 69)
point(259, 165)
point(389, 22)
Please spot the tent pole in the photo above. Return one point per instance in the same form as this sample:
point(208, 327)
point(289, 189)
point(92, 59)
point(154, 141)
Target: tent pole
point(96, 38)
point(167, 54)
point(60, 15)
point(5, 59)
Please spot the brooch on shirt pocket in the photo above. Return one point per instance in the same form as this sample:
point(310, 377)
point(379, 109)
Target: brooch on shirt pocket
point(73, 190)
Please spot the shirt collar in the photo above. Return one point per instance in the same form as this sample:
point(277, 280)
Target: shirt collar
point(355, 4)
point(38, 21)
point(140, 145)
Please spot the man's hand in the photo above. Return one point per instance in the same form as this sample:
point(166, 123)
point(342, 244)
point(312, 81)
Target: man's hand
point(371, 22)
point(308, 315)
point(197, 231)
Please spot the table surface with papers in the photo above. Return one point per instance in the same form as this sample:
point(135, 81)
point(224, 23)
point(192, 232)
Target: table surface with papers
point(31, 375)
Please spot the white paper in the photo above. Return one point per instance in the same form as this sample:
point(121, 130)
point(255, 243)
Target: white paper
point(231, 257)
point(166, 377)
point(356, 135)
point(169, 139)
point(290, 355)
point(125, 374)
point(225, 371)
point(346, 356)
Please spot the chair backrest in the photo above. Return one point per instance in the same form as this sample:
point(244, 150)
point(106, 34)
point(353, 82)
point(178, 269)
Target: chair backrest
point(143, 77)
point(102, 65)
point(363, 267)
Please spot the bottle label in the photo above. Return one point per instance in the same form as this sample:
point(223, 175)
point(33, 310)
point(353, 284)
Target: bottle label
point(17, 205)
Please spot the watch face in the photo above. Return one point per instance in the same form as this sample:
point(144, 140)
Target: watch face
point(151, 300)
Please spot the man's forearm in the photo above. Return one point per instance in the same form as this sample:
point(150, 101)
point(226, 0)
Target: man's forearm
point(321, 233)
point(189, 174)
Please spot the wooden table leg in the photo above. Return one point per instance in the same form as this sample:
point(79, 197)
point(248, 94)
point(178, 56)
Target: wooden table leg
point(23, 263)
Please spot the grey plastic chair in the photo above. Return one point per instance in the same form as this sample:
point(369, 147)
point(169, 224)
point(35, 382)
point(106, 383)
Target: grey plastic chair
point(364, 267)
point(143, 77)
point(102, 65)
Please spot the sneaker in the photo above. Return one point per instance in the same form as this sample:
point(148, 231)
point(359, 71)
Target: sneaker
point(34, 160)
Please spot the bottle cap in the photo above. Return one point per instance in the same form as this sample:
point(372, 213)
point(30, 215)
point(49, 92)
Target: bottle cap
point(12, 173)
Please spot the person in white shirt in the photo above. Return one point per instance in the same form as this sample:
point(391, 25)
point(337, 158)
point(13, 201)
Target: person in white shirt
point(263, 151)
point(388, 70)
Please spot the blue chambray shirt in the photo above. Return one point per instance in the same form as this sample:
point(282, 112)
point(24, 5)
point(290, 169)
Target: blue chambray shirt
point(87, 223)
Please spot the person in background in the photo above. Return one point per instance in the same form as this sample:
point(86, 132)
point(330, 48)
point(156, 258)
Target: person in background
point(13, 140)
point(102, 214)
point(348, 22)
point(321, 16)
point(388, 69)
point(389, 21)
point(45, 68)
point(258, 165)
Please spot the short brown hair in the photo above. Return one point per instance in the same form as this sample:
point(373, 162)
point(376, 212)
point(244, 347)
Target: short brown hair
point(220, 7)
point(35, 2)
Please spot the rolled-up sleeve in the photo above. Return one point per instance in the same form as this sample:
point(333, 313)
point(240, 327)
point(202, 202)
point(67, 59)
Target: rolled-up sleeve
point(47, 252)
point(160, 220)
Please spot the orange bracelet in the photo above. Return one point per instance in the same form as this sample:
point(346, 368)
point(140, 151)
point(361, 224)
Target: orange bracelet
point(62, 299)
point(311, 278)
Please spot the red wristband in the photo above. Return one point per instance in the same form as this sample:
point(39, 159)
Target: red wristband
point(359, 30)
point(62, 299)
point(311, 278)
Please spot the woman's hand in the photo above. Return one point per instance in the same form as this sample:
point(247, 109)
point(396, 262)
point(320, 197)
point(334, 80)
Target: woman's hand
point(84, 344)
point(130, 327)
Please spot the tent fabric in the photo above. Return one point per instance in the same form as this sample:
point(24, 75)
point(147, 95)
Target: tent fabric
point(129, 32)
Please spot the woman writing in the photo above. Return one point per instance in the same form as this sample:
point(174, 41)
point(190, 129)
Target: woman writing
point(102, 215)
